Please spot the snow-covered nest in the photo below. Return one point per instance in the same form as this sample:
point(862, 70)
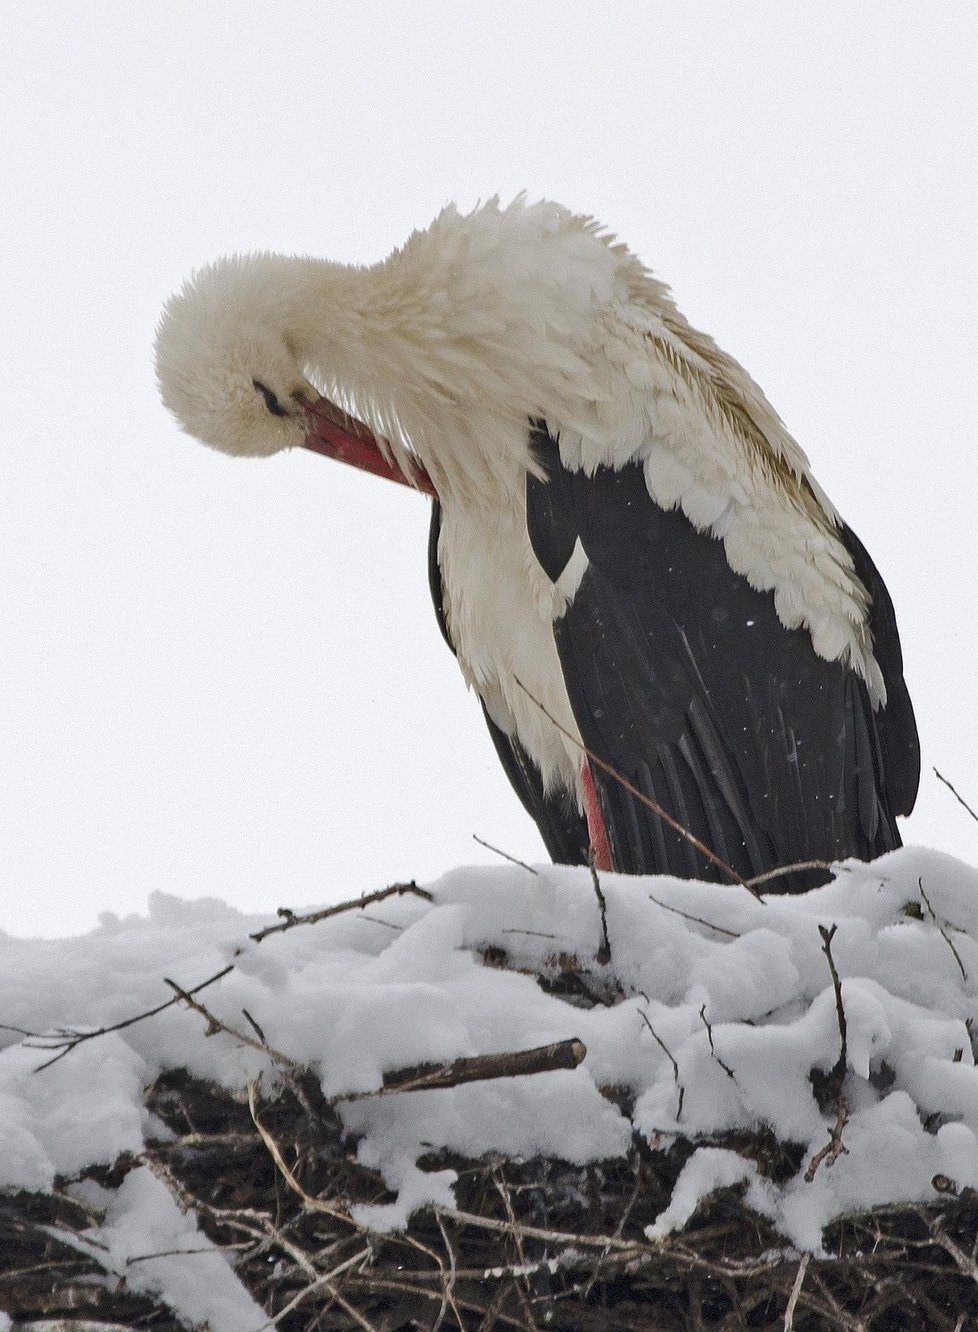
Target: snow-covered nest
point(735, 1113)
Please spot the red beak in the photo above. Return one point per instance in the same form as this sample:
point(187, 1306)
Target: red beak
point(331, 432)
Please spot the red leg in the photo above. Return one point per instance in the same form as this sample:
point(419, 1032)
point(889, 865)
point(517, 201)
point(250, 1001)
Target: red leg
point(598, 833)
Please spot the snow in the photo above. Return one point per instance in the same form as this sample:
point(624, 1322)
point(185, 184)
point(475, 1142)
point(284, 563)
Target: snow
point(722, 1006)
point(147, 1241)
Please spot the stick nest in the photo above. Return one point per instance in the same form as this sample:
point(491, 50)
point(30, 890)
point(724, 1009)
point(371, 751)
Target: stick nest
point(532, 1244)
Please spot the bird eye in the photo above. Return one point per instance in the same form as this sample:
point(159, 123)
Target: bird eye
point(271, 402)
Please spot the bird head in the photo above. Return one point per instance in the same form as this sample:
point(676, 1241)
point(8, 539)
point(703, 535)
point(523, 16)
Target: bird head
point(224, 362)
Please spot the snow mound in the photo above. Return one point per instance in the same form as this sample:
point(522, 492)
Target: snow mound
point(840, 1022)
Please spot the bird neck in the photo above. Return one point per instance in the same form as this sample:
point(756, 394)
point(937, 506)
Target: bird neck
point(383, 344)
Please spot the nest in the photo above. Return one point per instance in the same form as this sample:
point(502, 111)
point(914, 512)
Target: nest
point(275, 1183)
point(531, 1244)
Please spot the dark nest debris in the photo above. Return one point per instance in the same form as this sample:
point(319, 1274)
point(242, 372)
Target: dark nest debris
point(531, 1244)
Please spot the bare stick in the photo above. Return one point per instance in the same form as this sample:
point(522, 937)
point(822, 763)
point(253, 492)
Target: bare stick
point(449, 1292)
point(960, 799)
point(835, 1147)
point(315, 1204)
point(325, 1282)
point(477, 1068)
point(603, 954)
point(838, 1072)
point(966, 1265)
point(519, 1229)
point(66, 1040)
point(290, 919)
point(697, 920)
point(618, 1231)
point(662, 1045)
point(503, 1190)
point(709, 1031)
point(653, 805)
point(513, 860)
point(214, 1024)
point(782, 870)
point(669, 1055)
point(789, 1313)
point(944, 933)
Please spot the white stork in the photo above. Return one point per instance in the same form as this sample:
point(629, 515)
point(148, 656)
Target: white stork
point(651, 595)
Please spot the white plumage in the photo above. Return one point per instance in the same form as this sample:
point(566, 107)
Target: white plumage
point(449, 350)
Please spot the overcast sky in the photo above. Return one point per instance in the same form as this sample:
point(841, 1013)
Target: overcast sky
point(223, 677)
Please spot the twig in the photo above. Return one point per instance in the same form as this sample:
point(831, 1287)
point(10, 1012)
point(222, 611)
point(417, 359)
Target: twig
point(944, 934)
point(622, 1222)
point(709, 1031)
point(843, 1319)
point(513, 860)
point(320, 1283)
point(378, 1284)
point(254, 1026)
point(963, 1261)
point(520, 1230)
point(697, 920)
point(290, 919)
point(789, 1313)
point(835, 1147)
point(669, 1055)
point(477, 1068)
point(960, 799)
point(653, 805)
point(379, 920)
point(215, 1024)
point(837, 1073)
point(350, 1312)
point(316, 1204)
point(782, 870)
point(503, 1191)
point(449, 1300)
point(67, 1040)
point(603, 954)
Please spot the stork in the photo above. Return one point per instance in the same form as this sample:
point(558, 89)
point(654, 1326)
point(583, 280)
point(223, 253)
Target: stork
point(687, 662)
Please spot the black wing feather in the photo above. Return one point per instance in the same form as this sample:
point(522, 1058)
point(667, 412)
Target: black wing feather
point(683, 679)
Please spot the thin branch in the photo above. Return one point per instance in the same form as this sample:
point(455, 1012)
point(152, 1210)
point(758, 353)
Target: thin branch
point(964, 1262)
point(837, 1073)
point(513, 860)
point(519, 1230)
point(324, 1282)
point(619, 1228)
point(290, 919)
point(669, 1055)
point(782, 870)
point(709, 1032)
point(503, 1190)
point(960, 799)
point(697, 920)
point(653, 805)
point(67, 1040)
point(603, 954)
point(215, 1024)
point(944, 933)
point(477, 1068)
point(789, 1313)
point(835, 1147)
point(377, 1285)
point(315, 1204)
point(452, 1277)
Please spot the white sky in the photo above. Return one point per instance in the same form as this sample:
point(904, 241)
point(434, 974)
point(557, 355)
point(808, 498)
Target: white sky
point(222, 677)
